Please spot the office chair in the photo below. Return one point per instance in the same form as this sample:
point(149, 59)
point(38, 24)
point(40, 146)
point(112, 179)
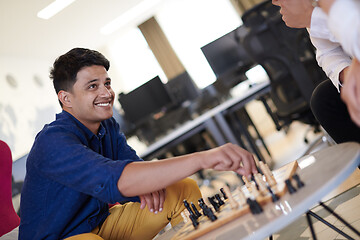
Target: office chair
point(9, 220)
point(288, 57)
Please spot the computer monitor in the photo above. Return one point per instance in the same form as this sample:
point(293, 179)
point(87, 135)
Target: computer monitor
point(226, 54)
point(144, 101)
point(182, 88)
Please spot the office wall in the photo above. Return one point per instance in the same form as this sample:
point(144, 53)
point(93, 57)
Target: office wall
point(27, 101)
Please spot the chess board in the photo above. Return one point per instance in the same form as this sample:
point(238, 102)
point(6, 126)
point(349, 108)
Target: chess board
point(226, 213)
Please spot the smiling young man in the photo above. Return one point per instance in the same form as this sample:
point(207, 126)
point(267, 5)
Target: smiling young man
point(81, 162)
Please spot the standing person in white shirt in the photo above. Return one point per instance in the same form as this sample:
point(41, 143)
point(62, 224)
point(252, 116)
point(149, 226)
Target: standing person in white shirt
point(348, 32)
point(326, 104)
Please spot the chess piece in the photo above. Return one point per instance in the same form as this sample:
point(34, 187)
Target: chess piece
point(246, 181)
point(274, 197)
point(261, 184)
point(255, 207)
point(186, 204)
point(223, 193)
point(270, 179)
point(232, 201)
point(218, 198)
point(289, 186)
point(253, 190)
point(213, 203)
point(185, 215)
point(241, 197)
point(196, 212)
point(300, 183)
point(206, 210)
point(194, 221)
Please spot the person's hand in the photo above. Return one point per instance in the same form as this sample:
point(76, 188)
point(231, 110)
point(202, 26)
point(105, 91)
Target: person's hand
point(154, 201)
point(295, 13)
point(229, 157)
point(350, 93)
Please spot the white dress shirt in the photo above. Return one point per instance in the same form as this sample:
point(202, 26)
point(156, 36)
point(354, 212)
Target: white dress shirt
point(330, 54)
point(344, 23)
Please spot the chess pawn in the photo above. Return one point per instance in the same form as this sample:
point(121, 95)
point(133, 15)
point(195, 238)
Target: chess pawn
point(241, 197)
point(247, 182)
point(262, 185)
point(253, 190)
point(185, 215)
point(267, 173)
point(231, 200)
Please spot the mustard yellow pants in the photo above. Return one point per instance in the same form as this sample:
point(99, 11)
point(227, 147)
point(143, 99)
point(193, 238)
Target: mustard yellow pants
point(128, 221)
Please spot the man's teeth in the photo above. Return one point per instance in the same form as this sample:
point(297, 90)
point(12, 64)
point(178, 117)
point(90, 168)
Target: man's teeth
point(102, 104)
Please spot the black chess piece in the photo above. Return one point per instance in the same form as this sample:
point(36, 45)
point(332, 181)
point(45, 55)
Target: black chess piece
point(290, 187)
point(223, 193)
point(255, 207)
point(194, 221)
point(274, 197)
point(214, 203)
point(218, 198)
point(299, 183)
point(253, 179)
point(196, 212)
point(209, 213)
point(186, 204)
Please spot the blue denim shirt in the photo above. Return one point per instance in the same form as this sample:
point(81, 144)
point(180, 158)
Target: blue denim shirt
point(71, 177)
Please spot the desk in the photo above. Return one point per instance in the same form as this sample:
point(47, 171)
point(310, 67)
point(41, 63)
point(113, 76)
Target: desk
point(321, 172)
point(213, 121)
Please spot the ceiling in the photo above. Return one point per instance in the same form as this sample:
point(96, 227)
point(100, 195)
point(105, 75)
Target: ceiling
point(23, 34)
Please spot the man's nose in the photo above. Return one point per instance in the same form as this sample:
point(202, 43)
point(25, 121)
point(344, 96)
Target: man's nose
point(106, 91)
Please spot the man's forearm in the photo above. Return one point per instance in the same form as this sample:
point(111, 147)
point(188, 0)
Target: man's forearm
point(143, 177)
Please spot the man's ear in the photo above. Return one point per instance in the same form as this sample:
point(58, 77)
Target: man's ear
point(64, 98)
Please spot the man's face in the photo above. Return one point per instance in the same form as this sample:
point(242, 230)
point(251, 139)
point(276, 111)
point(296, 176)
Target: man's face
point(91, 98)
point(295, 13)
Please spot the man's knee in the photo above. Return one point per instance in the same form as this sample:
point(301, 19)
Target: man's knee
point(85, 236)
point(185, 189)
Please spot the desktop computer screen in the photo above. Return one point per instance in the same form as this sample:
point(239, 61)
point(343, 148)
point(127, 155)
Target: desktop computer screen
point(144, 101)
point(226, 54)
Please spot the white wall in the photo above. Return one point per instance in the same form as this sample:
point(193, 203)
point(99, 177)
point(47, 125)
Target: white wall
point(25, 108)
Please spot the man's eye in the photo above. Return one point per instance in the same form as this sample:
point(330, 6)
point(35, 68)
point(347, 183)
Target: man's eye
point(108, 84)
point(92, 86)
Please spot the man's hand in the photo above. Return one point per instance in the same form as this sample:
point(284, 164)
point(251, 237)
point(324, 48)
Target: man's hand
point(154, 201)
point(295, 13)
point(350, 93)
point(229, 157)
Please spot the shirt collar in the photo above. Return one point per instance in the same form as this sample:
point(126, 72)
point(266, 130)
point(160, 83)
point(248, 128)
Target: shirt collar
point(89, 134)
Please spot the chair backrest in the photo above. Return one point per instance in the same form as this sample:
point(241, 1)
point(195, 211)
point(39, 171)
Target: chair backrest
point(8, 217)
point(287, 56)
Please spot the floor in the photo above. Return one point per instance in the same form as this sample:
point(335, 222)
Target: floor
point(284, 148)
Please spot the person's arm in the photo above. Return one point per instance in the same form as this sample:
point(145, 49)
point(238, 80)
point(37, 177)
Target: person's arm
point(350, 92)
point(329, 53)
point(140, 178)
point(344, 22)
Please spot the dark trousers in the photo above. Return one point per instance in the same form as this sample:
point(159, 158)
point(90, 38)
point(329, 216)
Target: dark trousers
point(332, 114)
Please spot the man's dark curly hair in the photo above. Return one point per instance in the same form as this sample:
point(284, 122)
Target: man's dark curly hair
point(66, 67)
